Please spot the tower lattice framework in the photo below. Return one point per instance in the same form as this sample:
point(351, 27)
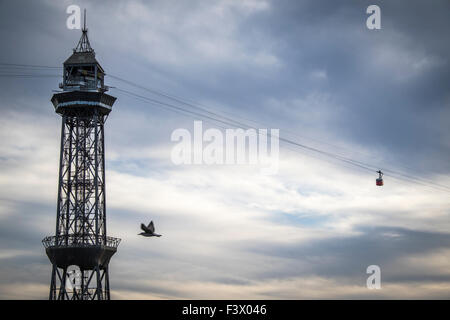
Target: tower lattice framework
point(80, 250)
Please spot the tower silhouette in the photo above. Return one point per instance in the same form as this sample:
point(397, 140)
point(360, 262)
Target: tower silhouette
point(80, 248)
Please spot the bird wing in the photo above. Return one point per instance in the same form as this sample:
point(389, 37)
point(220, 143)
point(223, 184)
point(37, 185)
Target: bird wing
point(144, 228)
point(151, 227)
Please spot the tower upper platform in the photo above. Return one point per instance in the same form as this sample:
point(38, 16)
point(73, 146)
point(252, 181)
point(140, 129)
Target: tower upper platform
point(83, 83)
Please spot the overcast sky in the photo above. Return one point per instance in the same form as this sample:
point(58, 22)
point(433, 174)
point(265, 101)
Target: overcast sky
point(309, 68)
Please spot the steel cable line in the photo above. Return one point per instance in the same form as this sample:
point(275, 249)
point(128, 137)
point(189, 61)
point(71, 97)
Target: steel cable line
point(395, 177)
point(153, 101)
point(360, 164)
point(336, 157)
point(209, 119)
point(144, 99)
point(392, 172)
point(193, 105)
point(30, 75)
point(241, 124)
point(28, 66)
point(235, 122)
point(228, 121)
point(26, 70)
point(203, 108)
point(169, 96)
point(188, 112)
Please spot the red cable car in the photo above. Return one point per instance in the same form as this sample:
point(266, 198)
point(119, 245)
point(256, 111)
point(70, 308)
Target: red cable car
point(379, 181)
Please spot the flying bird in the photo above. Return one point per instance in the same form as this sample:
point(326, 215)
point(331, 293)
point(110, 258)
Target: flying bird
point(149, 231)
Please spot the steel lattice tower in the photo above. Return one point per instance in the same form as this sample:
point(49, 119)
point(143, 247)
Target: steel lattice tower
point(80, 246)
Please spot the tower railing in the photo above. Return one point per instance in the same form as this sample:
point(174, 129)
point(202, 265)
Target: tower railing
point(87, 240)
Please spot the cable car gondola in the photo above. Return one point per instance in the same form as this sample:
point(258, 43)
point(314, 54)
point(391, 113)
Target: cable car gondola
point(379, 180)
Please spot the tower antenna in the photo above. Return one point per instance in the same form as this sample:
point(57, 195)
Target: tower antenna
point(83, 44)
point(84, 28)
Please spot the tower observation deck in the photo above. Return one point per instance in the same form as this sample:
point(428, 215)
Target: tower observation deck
point(80, 250)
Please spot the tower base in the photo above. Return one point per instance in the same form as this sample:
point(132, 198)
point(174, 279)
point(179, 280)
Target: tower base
point(72, 283)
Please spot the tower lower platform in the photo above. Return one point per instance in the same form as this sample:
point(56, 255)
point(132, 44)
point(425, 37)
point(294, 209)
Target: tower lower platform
point(86, 254)
point(80, 267)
